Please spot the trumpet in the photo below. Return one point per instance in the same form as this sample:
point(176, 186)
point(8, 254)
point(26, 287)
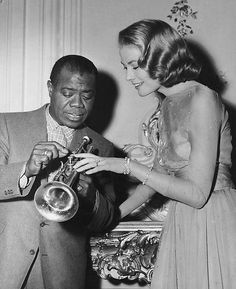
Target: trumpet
point(56, 200)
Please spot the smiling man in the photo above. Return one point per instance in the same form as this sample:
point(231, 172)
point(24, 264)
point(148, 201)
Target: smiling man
point(37, 253)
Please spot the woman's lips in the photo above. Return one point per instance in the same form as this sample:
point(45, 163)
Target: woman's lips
point(137, 85)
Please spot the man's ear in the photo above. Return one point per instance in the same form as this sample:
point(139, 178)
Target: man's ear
point(50, 87)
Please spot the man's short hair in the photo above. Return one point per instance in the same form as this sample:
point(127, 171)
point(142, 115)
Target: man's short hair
point(72, 63)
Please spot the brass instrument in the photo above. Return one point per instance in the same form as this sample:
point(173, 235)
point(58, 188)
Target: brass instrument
point(56, 200)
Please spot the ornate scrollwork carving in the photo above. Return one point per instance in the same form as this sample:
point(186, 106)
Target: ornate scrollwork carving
point(127, 252)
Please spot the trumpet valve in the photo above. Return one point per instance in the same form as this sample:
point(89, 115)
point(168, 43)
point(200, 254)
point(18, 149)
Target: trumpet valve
point(70, 163)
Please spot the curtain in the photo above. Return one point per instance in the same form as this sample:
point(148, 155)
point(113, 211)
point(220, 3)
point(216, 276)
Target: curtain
point(33, 35)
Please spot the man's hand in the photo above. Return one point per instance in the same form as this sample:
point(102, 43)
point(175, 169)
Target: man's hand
point(42, 154)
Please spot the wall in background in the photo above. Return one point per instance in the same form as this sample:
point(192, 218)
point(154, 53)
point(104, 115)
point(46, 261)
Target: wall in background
point(33, 34)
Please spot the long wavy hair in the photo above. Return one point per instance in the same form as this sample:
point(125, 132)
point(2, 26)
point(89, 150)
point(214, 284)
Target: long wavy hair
point(164, 53)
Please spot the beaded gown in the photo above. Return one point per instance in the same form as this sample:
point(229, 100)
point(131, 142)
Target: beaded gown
point(198, 245)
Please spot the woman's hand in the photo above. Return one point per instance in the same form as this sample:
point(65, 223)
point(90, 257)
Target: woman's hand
point(92, 164)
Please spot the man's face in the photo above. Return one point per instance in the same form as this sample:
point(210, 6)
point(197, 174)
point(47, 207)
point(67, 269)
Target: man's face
point(72, 98)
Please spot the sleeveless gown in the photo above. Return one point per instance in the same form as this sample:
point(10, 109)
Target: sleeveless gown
point(198, 246)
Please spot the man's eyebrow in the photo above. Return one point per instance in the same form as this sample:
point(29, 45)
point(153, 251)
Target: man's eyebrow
point(69, 88)
point(130, 62)
point(88, 89)
point(74, 89)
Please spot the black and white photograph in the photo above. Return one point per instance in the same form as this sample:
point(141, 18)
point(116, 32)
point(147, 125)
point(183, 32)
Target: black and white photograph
point(117, 144)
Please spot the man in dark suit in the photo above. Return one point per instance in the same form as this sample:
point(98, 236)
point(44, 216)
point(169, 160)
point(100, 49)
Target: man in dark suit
point(37, 253)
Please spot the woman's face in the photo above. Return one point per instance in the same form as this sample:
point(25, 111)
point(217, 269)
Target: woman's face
point(141, 80)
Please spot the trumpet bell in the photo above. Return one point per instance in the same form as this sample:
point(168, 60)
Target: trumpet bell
point(56, 201)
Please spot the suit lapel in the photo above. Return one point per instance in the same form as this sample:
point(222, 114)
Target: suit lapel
point(40, 127)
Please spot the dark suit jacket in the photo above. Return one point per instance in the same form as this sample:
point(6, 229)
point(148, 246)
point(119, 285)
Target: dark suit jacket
point(23, 230)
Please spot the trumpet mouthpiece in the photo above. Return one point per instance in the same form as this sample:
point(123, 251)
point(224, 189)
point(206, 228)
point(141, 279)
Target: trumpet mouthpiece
point(86, 139)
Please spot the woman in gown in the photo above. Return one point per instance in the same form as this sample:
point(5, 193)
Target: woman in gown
point(191, 165)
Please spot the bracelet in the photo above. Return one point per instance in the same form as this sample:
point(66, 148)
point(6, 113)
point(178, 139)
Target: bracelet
point(126, 168)
point(147, 175)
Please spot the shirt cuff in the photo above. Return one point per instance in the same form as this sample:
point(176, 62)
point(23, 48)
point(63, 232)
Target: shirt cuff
point(24, 181)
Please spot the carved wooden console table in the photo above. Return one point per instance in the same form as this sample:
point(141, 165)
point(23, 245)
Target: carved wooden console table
point(127, 252)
